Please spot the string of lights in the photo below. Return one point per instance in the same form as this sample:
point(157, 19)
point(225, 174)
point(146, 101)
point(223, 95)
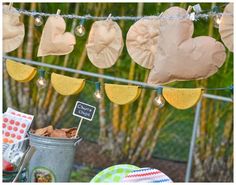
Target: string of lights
point(212, 13)
point(158, 101)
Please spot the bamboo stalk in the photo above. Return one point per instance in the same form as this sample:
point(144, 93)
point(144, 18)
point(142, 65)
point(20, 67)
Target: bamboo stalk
point(144, 139)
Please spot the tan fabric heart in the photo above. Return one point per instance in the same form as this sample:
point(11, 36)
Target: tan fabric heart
point(180, 57)
point(105, 43)
point(142, 40)
point(54, 39)
point(226, 27)
point(13, 29)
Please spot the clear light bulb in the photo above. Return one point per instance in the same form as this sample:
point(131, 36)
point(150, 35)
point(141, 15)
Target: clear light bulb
point(159, 101)
point(217, 20)
point(41, 82)
point(97, 94)
point(80, 30)
point(38, 21)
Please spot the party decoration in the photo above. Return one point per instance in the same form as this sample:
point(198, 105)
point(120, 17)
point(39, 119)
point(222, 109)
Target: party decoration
point(181, 57)
point(226, 27)
point(114, 173)
point(80, 30)
point(159, 100)
point(13, 29)
point(146, 175)
point(54, 39)
point(97, 94)
point(122, 94)
point(181, 98)
point(105, 43)
point(141, 41)
point(20, 72)
point(65, 85)
point(41, 82)
point(38, 21)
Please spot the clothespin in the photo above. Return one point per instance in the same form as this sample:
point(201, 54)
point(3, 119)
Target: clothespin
point(189, 9)
point(10, 5)
point(58, 11)
point(191, 16)
point(109, 17)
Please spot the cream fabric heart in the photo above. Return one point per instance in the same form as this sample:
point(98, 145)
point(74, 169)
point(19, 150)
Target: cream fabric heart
point(13, 29)
point(226, 27)
point(181, 57)
point(142, 40)
point(54, 39)
point(105, 43)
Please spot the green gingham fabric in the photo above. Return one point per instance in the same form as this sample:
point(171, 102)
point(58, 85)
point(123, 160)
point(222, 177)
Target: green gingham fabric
point(114, 173)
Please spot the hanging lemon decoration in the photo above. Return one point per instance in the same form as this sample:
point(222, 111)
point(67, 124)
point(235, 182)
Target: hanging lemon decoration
point(20, 72)
point(182, 98)
point(122, 94)
point(65, 85)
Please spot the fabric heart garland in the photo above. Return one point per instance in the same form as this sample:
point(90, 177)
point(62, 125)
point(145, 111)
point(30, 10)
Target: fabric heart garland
point(105, 43)
point(54, 39)
point(13, 29)
point(226, 27)
point(180, 57)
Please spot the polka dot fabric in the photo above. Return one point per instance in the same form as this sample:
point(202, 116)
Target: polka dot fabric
point(15, 125)
point(114, 173)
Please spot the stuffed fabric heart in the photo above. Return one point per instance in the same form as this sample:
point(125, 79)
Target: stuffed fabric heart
point(105, 43)
point(226, 27)
point(142, 40)
point(13, 29)
point(54, 39)
point(181, 57)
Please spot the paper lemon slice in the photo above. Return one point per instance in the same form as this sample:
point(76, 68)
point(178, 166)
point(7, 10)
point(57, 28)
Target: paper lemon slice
point(181, 98)
point(20, 72)
point(65, 85)
point(122, 94)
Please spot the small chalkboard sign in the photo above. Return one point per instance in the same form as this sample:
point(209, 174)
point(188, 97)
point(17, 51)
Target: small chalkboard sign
point(84, 110)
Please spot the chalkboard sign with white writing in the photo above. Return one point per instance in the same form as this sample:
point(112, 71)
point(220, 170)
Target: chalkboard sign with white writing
point(84, 110)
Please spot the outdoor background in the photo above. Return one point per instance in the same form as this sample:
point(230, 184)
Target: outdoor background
point(139, 133)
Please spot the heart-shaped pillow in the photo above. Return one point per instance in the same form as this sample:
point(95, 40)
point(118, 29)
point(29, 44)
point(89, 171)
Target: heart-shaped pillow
point(105, 43)
point(13, 29)
point(226, 27)
point(54, 39)
point(142, 40)
point(181, 57)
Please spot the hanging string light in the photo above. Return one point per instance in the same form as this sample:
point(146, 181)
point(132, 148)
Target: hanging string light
point(159, 100)
point(80, 30)
point(217, 17)
point(38, 20)
point(97, 94)
point(41, 82)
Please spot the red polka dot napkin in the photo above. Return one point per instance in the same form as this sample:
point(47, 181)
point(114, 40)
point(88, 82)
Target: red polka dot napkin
point(15, 125)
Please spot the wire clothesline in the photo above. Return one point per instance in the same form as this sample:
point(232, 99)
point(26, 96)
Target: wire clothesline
point(107, 77)
point(132, 18)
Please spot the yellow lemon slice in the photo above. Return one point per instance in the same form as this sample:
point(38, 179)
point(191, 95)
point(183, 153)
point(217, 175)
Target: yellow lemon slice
point(65, 85)
point(122, 94)
point(20, 72)
point(182, 98)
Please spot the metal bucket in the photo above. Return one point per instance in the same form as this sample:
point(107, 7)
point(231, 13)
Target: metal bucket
point(52, 160)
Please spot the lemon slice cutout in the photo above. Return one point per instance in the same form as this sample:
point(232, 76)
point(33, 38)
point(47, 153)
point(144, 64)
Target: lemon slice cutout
point(20, 72)
point(182, 98)
point(122, 94)
point(66, 85)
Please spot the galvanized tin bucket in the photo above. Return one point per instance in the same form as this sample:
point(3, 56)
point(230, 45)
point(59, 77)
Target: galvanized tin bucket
point(52, 160)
